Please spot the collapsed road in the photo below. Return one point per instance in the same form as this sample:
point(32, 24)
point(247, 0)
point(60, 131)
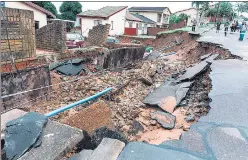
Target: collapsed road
point(159, 98)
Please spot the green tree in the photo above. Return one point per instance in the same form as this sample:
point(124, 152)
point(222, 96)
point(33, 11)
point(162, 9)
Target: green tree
point(211, 12)
point(200, 7)
point(176, 19)
point(226, 9)
point(47, 5)
point(69, 10)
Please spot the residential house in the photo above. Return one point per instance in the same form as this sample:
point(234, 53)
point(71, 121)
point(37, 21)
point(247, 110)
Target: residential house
point(160, 15)
point(138, 23)
point(113, 15)
point(191, 12)
point(41, 15)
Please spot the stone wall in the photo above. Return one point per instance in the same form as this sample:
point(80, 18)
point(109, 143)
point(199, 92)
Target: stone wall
point(98, 35)
point(52, 37)
point(120, 57)
point(17, 34)
point(23, 80)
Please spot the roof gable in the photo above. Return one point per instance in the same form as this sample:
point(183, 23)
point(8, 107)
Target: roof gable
point(40, 9)
point(104, 12)
point(148, 9)
point(192, 8)
point(144, 19)
point(131, 17)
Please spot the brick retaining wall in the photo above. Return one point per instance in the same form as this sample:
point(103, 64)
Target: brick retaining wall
point(52, 37)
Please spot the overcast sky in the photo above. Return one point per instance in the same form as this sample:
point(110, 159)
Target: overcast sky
point(174, 6)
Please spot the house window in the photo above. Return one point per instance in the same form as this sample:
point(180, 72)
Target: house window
point(165, 18)
point(145, 26)
point(97, 22)
point(159, 17)
point(130, 24)
point(80, 21)
point(112, 25)
point(36, 25)
point(140, 26)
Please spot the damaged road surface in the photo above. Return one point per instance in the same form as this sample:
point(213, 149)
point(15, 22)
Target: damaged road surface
point(23, 133)
point(223, 133)
point(159, 97)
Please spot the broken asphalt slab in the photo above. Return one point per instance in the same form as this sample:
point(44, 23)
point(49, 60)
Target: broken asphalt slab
point(205, 56)
point(192, 72)
point(144, 151)
point(167, 120)
point(210, 141)
point(108, 149)
point(9, 116)
point(83, 155)
point(168, 89)
point(197, 69)
point(22, 134)
point(57, 139)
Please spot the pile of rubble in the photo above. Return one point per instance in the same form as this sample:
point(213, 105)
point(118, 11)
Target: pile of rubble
point(131, 114)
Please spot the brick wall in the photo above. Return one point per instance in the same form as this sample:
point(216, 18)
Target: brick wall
point(177, 25)
point(152, 31)
point(120, 57)
point(52, 37)
point(128, 39)
point(98, 35)
point(24, 80)
point(17, 34)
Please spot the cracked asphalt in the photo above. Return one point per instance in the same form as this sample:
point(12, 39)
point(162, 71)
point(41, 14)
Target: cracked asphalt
point(223, 133)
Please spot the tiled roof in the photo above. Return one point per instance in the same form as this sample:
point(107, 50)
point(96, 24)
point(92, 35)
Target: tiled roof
point(40, 9)
point(148, 9)
point(144, 19)
point(131, 17)
point(104, 12)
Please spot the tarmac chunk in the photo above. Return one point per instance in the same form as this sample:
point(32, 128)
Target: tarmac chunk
point(163, 96)
point(22, 134)
point(108, 149)
point(167, 120)
point(57, 139)
point(192, 72)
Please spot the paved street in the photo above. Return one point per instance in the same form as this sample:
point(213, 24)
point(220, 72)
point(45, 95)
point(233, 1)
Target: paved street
point(223, 132)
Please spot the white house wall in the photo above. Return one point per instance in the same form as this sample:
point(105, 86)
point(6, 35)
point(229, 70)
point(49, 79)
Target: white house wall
point(191, 13)
point(118, 23)
point(88, 23)
point(38, 15)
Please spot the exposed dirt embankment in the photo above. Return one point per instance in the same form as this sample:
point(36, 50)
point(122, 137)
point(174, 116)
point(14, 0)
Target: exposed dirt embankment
point(131, 85)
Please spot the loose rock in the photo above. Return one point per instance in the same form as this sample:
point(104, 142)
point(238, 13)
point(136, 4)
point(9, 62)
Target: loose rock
point(167, 120)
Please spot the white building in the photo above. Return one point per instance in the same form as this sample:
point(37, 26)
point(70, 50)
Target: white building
point(113, 15)
point(160, 15)
point(138, 22)
point(191, 12)
point(40, 14)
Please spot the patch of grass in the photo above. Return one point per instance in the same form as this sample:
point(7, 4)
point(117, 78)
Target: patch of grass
point(186, 29)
